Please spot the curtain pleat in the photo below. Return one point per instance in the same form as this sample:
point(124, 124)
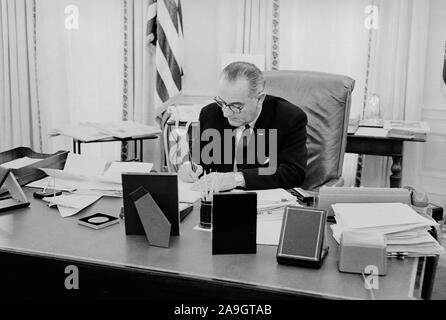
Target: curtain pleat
point(19, 114)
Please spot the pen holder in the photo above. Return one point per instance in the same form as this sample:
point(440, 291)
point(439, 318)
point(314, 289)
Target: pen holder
point(206, 214)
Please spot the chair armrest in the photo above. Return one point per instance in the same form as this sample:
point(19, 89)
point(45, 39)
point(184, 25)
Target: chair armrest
point(336, 182)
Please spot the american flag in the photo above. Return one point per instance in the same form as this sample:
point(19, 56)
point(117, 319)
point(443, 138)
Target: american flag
point(443, 82)
point(165, 32)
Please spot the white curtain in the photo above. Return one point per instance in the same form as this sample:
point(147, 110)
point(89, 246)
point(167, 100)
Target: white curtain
point(80, 59)
point(397, 76)
point(253, 35)
point(19, 105)
point(142, 79)
point(327, 36)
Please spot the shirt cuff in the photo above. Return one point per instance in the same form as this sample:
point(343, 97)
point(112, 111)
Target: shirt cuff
point(240, 178)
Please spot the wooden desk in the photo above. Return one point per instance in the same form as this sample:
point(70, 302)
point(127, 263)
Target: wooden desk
point(381, 146)
point(36, 245)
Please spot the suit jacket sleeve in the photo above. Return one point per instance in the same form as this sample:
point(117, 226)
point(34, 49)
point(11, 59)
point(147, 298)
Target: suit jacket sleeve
point(291, 158)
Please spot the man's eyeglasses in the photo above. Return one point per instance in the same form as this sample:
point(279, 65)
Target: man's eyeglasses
point(235, 107)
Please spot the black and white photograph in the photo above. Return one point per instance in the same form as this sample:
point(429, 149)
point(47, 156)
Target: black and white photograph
point(223, 158)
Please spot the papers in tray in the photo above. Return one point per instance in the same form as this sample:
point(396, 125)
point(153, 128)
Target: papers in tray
point(405, 230)
point(19, 163)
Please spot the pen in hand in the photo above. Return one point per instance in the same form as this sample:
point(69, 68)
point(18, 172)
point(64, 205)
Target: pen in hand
point(192, 164)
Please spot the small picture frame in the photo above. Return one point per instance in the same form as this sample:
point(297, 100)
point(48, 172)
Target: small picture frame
point(302, 237)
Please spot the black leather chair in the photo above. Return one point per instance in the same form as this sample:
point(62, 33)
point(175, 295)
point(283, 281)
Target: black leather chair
point(326, 100)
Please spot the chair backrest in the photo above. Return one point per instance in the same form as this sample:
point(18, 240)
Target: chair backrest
point(325, 98)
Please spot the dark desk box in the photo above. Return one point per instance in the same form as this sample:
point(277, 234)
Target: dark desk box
point(234, 223)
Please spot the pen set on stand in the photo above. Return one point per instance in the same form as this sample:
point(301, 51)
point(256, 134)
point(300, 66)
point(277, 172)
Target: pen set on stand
point(208, 191)
point(207, 194)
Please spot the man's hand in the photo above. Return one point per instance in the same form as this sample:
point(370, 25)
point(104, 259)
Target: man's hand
point(216, 181)
point(187, 174)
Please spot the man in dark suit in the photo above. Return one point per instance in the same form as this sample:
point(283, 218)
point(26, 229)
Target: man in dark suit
point(249, 139)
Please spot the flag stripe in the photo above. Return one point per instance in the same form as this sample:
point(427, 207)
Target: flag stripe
point(161, 88)
point(180, 17)
point(444, 66)
point(164, 29)
point(172, 9)
point(166, 73)
point(151, 22)
point(168, 55)
point(170, 32)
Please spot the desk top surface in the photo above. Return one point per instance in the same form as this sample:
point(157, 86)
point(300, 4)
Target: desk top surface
point(41, 231)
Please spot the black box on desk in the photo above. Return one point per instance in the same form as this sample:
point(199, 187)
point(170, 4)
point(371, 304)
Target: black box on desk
point(234, 223)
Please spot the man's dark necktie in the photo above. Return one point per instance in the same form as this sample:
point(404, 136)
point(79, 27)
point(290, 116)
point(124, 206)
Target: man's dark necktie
point(242, 146)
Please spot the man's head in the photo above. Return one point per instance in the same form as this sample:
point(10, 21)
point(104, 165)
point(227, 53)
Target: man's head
point(240, 92)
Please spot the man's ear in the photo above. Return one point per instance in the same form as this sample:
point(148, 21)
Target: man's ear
point(262, 97)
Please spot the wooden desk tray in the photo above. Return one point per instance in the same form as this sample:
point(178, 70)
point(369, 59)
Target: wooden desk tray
point(31, 173)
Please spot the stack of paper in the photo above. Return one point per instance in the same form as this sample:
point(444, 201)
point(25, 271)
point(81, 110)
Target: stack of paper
point(125, 129)
point(80, 132)
point(407, 129)
point(92, 131)
point(406, 231)
point(88, 176)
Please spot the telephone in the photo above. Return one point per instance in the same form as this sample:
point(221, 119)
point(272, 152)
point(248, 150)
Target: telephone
point(176, 133)
point(421, 204)
point(185, 112)
point(417, 198)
